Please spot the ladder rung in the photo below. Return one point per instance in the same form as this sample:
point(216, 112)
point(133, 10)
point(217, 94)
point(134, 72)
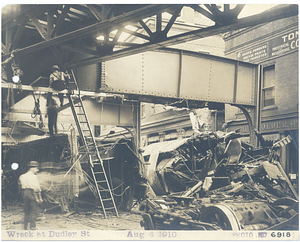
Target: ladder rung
point(109, 208)
point(108, 158)
point(86, 134)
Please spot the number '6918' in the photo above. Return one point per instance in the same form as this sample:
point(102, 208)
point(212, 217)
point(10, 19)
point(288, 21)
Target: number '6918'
point(281, 234)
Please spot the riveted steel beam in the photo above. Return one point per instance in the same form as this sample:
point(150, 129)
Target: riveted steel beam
point(79, 49)
point(132, 16)
point(94, 11)
point(284, 12)
point(60, 20)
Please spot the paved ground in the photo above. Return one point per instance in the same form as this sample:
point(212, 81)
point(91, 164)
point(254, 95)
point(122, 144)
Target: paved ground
point(13, 220)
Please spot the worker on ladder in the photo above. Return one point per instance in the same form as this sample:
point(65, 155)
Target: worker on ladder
point(58, 80)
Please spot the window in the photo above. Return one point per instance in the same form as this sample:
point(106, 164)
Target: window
point(97, 130)
point(268, 87)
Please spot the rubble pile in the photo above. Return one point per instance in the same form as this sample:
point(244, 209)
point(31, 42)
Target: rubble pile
point(213, 181)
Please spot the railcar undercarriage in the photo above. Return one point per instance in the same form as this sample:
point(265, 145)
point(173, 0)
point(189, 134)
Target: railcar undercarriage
point(238, 188)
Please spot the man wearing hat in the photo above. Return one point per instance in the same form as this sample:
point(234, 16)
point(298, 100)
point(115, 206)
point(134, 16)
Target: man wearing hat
point(31, 191)
point(58, 81)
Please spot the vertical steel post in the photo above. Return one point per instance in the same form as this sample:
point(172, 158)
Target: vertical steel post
point(179, 73)
point(258, 101)
point(235, 81)
point(137, 125)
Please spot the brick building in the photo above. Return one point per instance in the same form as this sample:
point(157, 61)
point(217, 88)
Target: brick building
point(275, 46)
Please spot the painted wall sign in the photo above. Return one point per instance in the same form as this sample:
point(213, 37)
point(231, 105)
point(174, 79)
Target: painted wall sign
point(285, 43)
point(277, 46)
point(271, 126)
point(254, 54)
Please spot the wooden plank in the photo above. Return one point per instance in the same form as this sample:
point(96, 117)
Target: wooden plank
point(46, 89)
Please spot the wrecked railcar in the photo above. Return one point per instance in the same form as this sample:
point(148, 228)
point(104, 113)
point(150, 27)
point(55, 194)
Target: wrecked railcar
point(213, 181)
point(65, 175)
point(174, 165)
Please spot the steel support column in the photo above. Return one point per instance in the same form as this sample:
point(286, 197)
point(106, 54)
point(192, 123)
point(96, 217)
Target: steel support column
point(250, 123)
point(137, 126)
point(259, 101)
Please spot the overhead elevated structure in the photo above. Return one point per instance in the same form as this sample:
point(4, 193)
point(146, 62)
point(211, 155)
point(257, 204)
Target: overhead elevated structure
point(80, 35)
point(54, 34)
point(175, 74)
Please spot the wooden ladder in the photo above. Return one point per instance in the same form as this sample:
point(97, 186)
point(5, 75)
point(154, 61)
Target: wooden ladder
point(96, 163)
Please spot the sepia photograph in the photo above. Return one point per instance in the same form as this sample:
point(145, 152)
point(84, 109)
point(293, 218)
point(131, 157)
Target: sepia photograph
point(149, 121)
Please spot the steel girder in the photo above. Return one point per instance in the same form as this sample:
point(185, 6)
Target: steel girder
point(73, 17)
point(54, 33)
point(123, 19)
point(193, 35)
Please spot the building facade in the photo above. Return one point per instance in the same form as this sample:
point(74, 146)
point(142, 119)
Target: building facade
point(275, 47)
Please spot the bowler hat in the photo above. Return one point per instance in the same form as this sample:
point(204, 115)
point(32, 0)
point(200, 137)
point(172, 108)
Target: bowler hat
point(55, 67)
point(33, 164)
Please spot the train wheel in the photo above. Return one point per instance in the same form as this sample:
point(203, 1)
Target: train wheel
point(147, 222)
point(222, 216)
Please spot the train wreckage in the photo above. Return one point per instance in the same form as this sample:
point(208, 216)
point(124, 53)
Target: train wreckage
point(209, 181)
point(214, 181)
